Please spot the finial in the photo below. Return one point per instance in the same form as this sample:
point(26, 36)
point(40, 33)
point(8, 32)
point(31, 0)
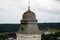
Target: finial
point(28, 5)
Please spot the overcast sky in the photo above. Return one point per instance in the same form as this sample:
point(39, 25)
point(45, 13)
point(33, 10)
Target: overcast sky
point(11, 11)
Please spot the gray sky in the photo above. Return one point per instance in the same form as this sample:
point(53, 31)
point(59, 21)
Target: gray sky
point(46, 10)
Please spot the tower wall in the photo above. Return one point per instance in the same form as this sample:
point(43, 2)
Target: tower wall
point(29, 29)
point(28, 36)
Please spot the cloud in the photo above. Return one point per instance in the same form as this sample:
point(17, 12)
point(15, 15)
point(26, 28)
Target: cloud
point(11, 10)
point(56, 0)
point(48, 6)
point(52, 11)
point(2, 10)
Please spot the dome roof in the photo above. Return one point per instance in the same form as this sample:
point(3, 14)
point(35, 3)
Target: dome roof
point(29, 15)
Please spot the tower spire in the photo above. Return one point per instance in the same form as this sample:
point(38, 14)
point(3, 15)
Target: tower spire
point(28, 5)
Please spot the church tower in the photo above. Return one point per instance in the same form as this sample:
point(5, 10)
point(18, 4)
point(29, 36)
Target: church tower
point(29, 29)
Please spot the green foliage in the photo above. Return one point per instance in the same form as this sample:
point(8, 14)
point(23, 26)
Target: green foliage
point(11, 34)
point(7, 35)
point(50, 36)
